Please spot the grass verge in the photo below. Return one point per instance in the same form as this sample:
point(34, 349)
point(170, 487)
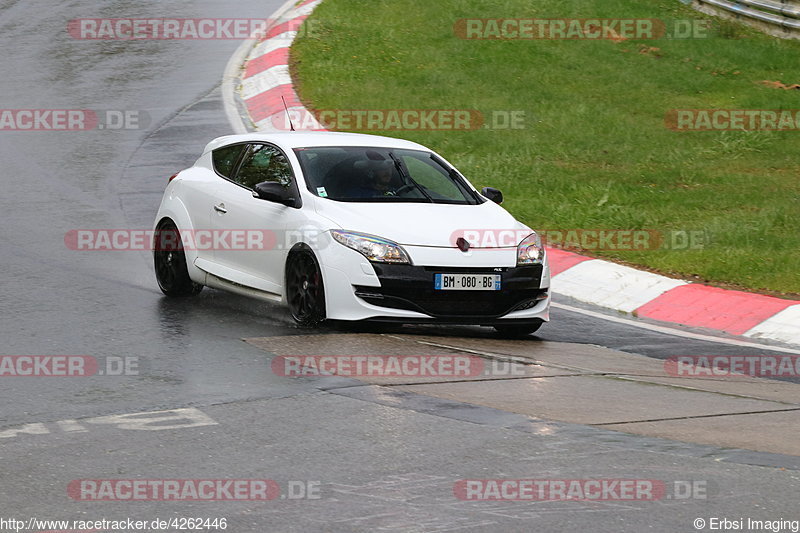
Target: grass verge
point(594, 151)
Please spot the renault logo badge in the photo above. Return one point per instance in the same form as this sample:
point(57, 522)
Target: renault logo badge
point(462, 244)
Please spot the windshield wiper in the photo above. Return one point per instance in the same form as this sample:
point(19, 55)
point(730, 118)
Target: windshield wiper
point(403, 174)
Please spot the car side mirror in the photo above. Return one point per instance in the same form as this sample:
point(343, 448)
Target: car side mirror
point(493, 194)
point(275, 192)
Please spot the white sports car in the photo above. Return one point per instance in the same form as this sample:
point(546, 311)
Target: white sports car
point(349, 227)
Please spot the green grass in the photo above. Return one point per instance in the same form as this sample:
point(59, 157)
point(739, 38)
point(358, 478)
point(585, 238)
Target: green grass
point(595, 152)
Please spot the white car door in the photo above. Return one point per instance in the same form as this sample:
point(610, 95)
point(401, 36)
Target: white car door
point(199, 194)
point(251, 232)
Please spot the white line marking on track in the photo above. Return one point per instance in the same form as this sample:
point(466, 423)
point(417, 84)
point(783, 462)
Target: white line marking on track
point(147, 421)
point(675, 332)
point(71, 426)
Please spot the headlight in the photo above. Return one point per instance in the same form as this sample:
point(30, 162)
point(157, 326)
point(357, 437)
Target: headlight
point(372, 247)
point(530, 251)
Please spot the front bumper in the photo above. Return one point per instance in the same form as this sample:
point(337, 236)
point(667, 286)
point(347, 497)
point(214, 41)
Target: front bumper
point(357, 289)
point(411, 288)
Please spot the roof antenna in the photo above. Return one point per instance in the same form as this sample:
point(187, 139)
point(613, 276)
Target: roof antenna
point(288, 116)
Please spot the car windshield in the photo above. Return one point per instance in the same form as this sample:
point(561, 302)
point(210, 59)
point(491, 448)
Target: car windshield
point(364, 174)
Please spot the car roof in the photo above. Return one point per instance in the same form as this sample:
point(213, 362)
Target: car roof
point(307, 139)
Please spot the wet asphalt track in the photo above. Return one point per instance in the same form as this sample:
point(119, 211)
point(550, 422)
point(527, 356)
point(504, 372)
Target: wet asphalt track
point(385, 461)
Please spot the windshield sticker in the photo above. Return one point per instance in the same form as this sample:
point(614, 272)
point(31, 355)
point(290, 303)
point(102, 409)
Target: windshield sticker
point(321, 192)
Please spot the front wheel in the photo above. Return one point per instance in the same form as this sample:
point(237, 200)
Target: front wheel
point(304, 289)
point(518, 330)
point(169, 260)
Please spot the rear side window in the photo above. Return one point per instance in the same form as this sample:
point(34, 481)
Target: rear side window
point(225, 159)
point(264, 163)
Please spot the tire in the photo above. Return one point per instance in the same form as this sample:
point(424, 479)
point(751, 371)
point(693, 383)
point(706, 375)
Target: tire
point(305, 291)
point(517, 331)
point(169, 261)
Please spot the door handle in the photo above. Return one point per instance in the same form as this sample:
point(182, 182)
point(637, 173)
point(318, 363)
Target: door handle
point(220, 208)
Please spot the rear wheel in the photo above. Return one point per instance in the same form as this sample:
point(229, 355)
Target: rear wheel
point(304, 289)
point(169, 260)
point(518, 330)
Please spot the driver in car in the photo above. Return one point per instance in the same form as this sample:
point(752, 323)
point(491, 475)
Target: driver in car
point(378, 182)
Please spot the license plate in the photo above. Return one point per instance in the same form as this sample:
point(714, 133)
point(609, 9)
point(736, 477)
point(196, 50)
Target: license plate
point(467, 282)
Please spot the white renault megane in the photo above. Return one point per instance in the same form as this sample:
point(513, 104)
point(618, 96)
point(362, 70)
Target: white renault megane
point(349, 227)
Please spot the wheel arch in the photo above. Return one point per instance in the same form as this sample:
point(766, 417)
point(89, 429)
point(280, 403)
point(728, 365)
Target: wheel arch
point(174, 209)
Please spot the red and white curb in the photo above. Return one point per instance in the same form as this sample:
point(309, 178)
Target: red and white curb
point(665, 299)
point(262, 72)
point(258, 74)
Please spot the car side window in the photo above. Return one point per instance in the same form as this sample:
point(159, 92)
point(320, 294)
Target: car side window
point(264, 163)
point(225, 158)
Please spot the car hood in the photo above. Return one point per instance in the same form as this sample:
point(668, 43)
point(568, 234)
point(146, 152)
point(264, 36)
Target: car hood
point(417, 224)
